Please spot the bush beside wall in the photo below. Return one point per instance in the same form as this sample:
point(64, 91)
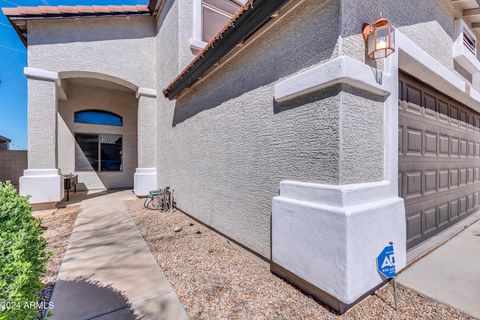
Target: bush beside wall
point(22, 256)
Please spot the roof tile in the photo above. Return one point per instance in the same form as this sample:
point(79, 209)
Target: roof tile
point(28, 10)
point(72, 10)
point(101, 9)
point(10, 11)
point(68, 9)
point(116, 9)
point(210, 45)
point(49, 10)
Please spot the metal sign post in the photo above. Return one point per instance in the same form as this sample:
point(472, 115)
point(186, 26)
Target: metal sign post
point(386, 267)
point(395, 292)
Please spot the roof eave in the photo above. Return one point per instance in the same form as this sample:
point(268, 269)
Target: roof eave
point(248, 23)
point(13, 19)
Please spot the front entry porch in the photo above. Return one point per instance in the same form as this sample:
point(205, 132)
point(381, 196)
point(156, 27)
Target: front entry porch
point(96, 126)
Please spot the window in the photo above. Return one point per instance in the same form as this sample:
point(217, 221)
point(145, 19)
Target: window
point(98, 117)
point(210, 17)
point(98, 152)
point(215, 15)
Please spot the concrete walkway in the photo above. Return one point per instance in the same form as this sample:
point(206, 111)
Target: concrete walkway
point(451, 273)
point(108, 271)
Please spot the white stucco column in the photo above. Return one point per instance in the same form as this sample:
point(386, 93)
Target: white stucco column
point(145, 178)
point(326, 238)
point(42, 180)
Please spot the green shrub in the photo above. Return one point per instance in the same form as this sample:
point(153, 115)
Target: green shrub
point(22, 256)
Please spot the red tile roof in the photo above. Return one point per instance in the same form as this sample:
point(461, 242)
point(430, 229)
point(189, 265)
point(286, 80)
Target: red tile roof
point(46, 11)
point(210, 45)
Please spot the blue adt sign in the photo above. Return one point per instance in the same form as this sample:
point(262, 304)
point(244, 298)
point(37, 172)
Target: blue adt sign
point(386, 262)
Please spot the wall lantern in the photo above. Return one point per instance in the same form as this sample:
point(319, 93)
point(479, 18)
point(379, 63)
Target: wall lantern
point(380, 38)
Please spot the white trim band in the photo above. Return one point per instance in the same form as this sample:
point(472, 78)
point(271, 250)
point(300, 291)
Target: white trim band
point(336, 195)
point(146, 92)
point(417, 62)
point(40, 74)
point(341, 70)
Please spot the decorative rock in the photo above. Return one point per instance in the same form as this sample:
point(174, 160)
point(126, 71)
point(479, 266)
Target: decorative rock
point(198, 232)
point(177, 229)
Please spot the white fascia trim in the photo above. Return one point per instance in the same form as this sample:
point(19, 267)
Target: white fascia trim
point(474, 94)
point(420, 64)
point(197, 44)
point(46, 75)
point(412, 50)
point(340, 196)
point(40, 74)
point(341, 70)
point(146, 92)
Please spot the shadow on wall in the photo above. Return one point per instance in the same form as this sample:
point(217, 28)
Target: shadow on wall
point(400, 14)
point(283, 50)
point(110, 28)
point(88, 299)
point(429, 23)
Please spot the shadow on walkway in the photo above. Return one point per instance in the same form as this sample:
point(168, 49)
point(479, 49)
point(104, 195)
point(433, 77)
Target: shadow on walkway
point(87, 297)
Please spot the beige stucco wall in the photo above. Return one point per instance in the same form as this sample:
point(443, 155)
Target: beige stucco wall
point(120, 47)
point(117, 49)
point(86, 97)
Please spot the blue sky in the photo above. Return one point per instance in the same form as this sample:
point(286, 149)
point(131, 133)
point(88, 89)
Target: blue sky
point(13, 58)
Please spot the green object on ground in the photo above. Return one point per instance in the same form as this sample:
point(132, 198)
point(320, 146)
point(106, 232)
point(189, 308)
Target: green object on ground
point(148, 198)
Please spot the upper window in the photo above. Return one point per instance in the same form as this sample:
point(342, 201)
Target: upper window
point(215, 15)
point(98, 117)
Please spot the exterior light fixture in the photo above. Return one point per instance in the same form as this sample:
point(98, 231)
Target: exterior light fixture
point(380, 38)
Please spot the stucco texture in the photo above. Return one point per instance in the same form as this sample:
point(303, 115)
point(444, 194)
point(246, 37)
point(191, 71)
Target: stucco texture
point(42, 124)
point(83, 97)
point(118, 47)
point(429, 23)
point(224, 146)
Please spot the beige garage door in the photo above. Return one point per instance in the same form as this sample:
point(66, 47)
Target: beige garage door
point(439, 159)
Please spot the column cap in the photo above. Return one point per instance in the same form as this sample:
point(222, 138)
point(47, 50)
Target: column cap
point(146, 92)
point(41, 74)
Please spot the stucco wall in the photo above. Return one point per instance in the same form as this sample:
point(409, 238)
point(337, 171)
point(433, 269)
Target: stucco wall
point(429, 23)
point(120, 47)
point(12, 164)
point(361, 136)
point(42, 131)
point(225, 145)
point(82, 97)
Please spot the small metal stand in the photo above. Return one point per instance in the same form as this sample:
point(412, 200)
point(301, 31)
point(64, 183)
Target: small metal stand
point(395, 292)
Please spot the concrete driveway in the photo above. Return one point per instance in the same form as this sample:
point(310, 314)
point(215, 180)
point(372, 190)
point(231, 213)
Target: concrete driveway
point(451, 273)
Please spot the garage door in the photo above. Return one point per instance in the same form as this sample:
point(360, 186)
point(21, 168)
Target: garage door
point(439, 159)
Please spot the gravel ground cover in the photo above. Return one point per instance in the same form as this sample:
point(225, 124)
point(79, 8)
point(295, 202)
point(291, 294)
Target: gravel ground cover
point(58, 225)
point(214, 280)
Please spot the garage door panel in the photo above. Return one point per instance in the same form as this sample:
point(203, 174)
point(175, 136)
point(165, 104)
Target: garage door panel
point(430, 104)
point(439, 159)
point(430, 221)
point(414, 184)
point(414, 141)
point(443, 215)
point(430, 139)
